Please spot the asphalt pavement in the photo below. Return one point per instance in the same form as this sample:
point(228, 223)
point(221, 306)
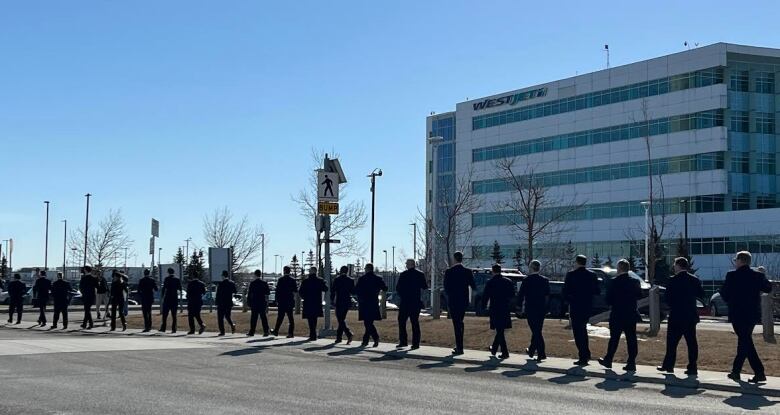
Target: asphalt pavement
point(78, 372)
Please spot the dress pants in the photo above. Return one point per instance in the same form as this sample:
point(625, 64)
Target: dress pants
point(500, 342)
point(413, 315)
point(223, 313)
point(280, 318)
point(258, 312)
point(615, 330)
point(146, 310)
point(457, 317)
point(312, 327)
point(536, 324)
point(60, 309)
point(579, 328)
point(166, 309)
point(370, 331)
point(117, 309)
point(15, 307)
point(341, 317)
point(746, 349)
point(193, 315)
point(675, 332)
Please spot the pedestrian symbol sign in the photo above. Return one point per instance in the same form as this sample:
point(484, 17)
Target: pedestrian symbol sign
point(327, 186)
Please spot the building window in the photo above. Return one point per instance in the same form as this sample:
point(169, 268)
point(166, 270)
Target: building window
point(765, 123)
point(739, 81)
point(740, 162)
point(765, 82)
point(766, 202)
point(740, 122)
point(765, 163)
point(740, 202)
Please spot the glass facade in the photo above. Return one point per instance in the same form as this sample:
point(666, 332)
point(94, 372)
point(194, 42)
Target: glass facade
point(666, 125)
point(650, 88)
point(681, 164)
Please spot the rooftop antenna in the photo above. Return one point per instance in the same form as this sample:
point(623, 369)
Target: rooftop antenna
point(606, 49)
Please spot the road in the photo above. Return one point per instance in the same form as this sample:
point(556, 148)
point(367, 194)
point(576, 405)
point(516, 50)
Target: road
point(75, 373)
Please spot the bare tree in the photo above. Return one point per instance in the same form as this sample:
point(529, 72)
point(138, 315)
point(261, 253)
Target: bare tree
point(456, 203)
point(104, 241)
point(531, 209)
point(221, 230)
point(345, 226)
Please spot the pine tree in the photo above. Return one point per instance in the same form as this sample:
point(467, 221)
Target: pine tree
point(179, 257)
point(595, 262)
point(682, 251)
point(570, 251)
point(631, 262)
point(498, 257)
point(195, 269)
point(295, 265)
point(310, 260)
point(3, 268)
point(608, 262)
point(519, 258)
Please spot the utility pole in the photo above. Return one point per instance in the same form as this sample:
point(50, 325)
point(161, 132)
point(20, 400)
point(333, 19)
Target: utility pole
point(125, 260)
point(394, 260)
point(46, 244)
point(86, 230)
point(435, 306)
point(374, 174)
point(262, 255)
point(64, 247)
point(188, 248)
point(414, 241)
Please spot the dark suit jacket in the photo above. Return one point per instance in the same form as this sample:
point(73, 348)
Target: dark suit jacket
point(60, 292)
point(341, 293)
point(195, 290)
point(225, 291)
point(623, 292)
point(170, 290)
point(146, 288)
point(682, 290)
point(367, 289)
point(498, 293)
point(409, 287)
point(87, 286)
point(41, 290)
point(256, 295)
point(533, 293)
point(311, 293)
point(457, 281)
point(286, 287)
point(742, 292)
point(16, 290)
point(579, 289)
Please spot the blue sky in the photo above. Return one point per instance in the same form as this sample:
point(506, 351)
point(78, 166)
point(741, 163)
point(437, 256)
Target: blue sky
point(172, 109)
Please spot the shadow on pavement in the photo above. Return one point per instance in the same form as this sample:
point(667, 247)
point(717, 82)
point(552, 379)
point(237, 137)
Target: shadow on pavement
point(347, 352)
point(489, 365)
point(749, 402)
point(438, 365)
point(319, 348)
point(613, 385)
point(568, 378)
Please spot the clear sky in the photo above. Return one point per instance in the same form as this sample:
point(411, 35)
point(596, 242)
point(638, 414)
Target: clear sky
point(170, 109)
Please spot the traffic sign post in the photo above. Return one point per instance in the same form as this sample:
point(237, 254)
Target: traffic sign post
point(328, 180)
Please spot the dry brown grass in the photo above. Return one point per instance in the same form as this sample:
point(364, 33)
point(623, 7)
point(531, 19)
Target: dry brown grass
point(716, 348)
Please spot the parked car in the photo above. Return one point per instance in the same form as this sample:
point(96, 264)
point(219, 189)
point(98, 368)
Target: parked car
point(718, 307)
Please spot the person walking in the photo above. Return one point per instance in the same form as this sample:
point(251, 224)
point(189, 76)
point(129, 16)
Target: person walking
point(41, 289)
point(682, 291)
point(534, 291)
point(579, 288)
point(170, 300)
point(286, 287)
point(60, 294)
point(367, 289)
point(311, 292)
point(622, 295)
point(146, 288)
point(742, 290)
point(102, 294)
point(195, 291)
point(257, 296)
point(497, 295)
point(16, 292)
point(341, 299)
point(457, 281)
point(224, 298)
point(409, 288)
point(87, 287)
point(118, 292)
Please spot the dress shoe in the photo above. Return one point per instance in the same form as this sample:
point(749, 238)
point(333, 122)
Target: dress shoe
point(112, 329)
point(265, 334)
point(757, 379)
point(337, 341)
point(664, 369)
point(581, 363)
point(290, 336)
point(363, 344)
point(220, 334)
point(250, 334)
point(232, 329)
point(146, 330)
point(605, 363)
point(202, 329)
point(124, 326)
point(492, 351)
point(504, 356)
point(415, 347)
point(540, 359)
point(457, 352)
point(191, 332)
point(529, 352)
point(401, 345)
point(349, 339)
point(692, 372)
point(734, 376)
point(376, 344)
point(629, 368)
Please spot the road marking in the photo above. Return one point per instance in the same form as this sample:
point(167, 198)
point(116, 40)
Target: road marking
point(91, 344)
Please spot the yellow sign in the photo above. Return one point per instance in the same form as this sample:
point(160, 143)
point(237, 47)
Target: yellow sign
point(328, 208)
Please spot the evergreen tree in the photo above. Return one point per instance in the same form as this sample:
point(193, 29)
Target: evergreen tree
point(498, 257)
point(662, 268)
point(608, 262)
point(295, 265)
point(519, 255)
point(631, 262)
point(682, 251)
point(179, 257)
point(595, 262)
point(3, 268)
point(195, 269)
point(310, 260)
point(570, 251)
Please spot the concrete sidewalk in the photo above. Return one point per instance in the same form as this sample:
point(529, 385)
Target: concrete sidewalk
point(707, 380)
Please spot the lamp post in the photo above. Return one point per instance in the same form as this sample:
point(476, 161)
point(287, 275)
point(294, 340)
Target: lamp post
point(385, 251)
point(394, 260)
point(262, 255)
point(86, 230)
point(434, 143)
point(414, 241)
point(64, 247)
point(646, 205)
point(685, 211)
point(276, 257)
point(46, 243)
point(187, 252)
point(373, 175)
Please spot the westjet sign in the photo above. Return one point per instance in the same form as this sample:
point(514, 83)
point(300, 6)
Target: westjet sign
point(510, 99)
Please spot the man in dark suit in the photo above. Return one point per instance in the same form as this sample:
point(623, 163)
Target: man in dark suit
point(341, 298)
point(498, 294)
point(87, 287)
point(41, 290)
point(742, 292)
point(533, 293)
point(409, 287)
point(457, 280)
point(257, 296)
point(579, 289)
point(286, 287)
point(195, 291)
point(224, 299)
point(170, 299)
point(623, 292)
point(60, 294)
point(311, 291)
point(367, 289)
point(146, 288)
point(682, 291)
point(16, 292)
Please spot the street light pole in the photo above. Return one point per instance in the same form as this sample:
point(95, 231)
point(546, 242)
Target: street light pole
point(188, 248)
point(434, 142)
point(394, 260)
point(373, 176)
point(86, 230)
point(276, 257)
point(64, 247)
point(685, 211)
point(646, 205)
point(46, 243)
point(414, 241)
point(262, 255)
point(385, 251)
